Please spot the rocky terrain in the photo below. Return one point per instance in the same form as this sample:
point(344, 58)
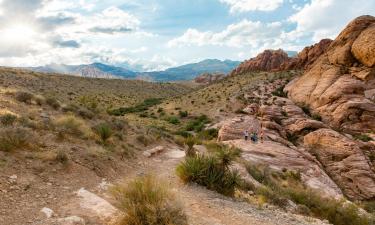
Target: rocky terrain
point(208, 78)
point(66, 141)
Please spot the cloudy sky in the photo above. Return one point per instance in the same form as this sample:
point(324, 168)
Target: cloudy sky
point(157, 34)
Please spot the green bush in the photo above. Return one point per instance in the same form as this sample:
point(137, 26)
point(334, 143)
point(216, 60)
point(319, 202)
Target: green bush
point(8, 119)
point(363, 137)
point(183, 114)
point(197, 124)
point(173, 120)
point(104, 131)
point(145, 105)
point(14, 138)
point(208, 171)
point(146, 201)
point(143, 140)
point(280, 92)
point(317, 117)
point(208, 134)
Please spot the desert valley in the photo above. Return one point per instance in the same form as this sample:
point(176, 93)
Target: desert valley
point(95, 144)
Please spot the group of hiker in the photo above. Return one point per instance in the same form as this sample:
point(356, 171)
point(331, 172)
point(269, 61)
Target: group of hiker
point(254, 136)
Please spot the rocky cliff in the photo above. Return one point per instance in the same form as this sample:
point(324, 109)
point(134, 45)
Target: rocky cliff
point(278, 60)
point(340, 86)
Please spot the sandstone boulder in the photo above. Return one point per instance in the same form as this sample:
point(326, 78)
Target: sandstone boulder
point(337, 86)
point(234, 128)
point(278, 157)
point(344, 162)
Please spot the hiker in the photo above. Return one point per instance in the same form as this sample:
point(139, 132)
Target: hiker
point(261, 133)
point(254, 137)
point(246, 134)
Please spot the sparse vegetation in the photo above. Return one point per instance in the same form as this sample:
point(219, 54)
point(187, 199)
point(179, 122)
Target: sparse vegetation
point(197, 124)
point(8, 119)
point(280, 92)
point(51, 101)
point(13, 138)
point(25, 97)
point(104, 131)
point(145, 105)
point(363, 137)
point(146, 201)
point(279, 187)
point(173, 120)
point(72, 125)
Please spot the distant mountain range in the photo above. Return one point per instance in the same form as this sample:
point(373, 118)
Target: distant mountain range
point(180, 73)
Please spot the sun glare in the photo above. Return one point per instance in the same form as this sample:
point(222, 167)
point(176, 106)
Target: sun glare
point(18, 33)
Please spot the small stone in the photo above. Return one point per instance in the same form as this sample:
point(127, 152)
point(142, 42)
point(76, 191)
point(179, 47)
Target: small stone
point(47, 212)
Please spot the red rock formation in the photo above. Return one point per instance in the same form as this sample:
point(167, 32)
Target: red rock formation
point(269, 60)
point(337, 85)
point(278, 60)
point(307, 56)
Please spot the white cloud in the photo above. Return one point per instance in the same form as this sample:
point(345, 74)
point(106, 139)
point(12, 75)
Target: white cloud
point(252, 5)
point(326, 18)
point(245, 33)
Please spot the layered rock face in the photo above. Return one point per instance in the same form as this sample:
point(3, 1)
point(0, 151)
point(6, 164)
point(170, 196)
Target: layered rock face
point(269, 60)
point(344, 161)
point(340, 86)
point(306, 58)
point(278, 60)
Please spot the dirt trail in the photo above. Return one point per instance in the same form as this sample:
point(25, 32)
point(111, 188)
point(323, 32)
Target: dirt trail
point(205, 207)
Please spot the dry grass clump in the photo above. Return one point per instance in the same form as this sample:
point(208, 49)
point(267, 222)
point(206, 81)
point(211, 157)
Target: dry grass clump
point(23, 96)
point(146, 201)
point(73, 126)
point(104, 131)
point(8, 119)
point(12, 138)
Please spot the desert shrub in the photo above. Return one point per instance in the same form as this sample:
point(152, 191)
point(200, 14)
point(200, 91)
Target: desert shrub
point(280, 92)
point(208, 134)
point(316, 117)
point(89, 102)
point(306, 110)
point(146, 201)
point(190, 142)
point(183, 114)
point(39, 100)
point(85, 113)
point(240, 111)
point(70, 108)
point(8, 119)
point(145, 105)
point(173, 120)
point(209, 172)
point(143, 140)
point(13, 138)
point(25, 97)
point(183, 133)
point(104, 131)
point(293, 138)
point(51, 101)
point(363, 137)
point(72, 125)
point(61, 157)
point(197, 124)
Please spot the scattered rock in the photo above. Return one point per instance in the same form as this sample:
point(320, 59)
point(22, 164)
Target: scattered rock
point(47, 212)
point(153, 151)
point(71, 220)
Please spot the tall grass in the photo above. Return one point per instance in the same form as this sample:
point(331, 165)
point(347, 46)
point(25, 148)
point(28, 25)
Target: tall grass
point(209, 171)
point(146, 201)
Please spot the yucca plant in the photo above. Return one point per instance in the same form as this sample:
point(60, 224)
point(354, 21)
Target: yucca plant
point(104, 131)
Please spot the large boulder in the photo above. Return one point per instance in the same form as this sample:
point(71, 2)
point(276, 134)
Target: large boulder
point(234, 128)
point(344, 162)
point(336, 84)
point(280, 157)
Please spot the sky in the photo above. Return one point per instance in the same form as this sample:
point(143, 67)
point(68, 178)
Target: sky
point(148, 35)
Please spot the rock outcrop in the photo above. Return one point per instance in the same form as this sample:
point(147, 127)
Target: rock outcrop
point(269, 60)
point(338, 86)
point(344, 162)
point(278, 60)
point(306, 58)
point(209, 78)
